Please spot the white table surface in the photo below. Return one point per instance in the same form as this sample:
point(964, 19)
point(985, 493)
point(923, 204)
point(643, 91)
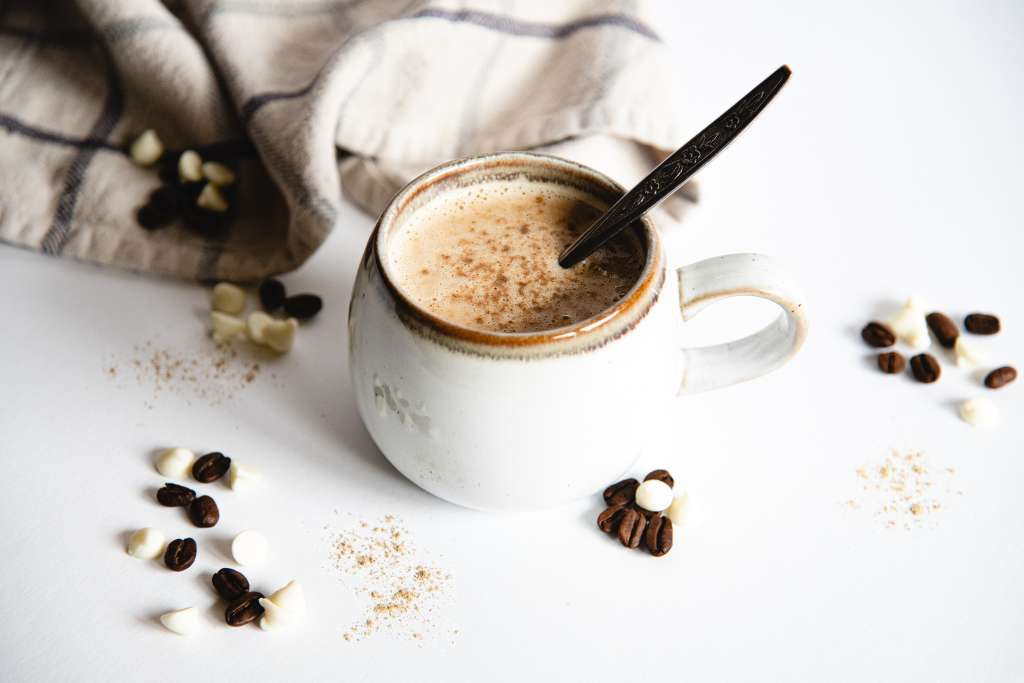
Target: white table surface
point(891, 165)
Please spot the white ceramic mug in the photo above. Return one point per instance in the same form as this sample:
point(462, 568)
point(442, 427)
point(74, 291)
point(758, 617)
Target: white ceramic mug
point(526, 420)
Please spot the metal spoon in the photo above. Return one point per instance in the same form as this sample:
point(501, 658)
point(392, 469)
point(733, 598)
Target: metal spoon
point(670, 175)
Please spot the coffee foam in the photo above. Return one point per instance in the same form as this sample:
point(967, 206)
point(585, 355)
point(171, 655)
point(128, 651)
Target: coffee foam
point(485, 257)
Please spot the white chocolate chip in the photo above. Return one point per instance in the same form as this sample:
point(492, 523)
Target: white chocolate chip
point(146, 544)
point(218, 174)
point(190, 166)
point(147, 148)
point(677, 510)
point(243, 477)
point(967, 355)
point(256, 324)
point(184, 622)
point(980, 412)
point(654, 495)
point(280, 334)
point(903, 322)
point(250, 548)
point(290, 597)
point(915, 301)
point(211, 199)
point(274, 617)
point(225, 327)
point(175, 463)
point(228, 298)
point(909, 324)
point(918, 338)
point(286, 606)
point(685, 512)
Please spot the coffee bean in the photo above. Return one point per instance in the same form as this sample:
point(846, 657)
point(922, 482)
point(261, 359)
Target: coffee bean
point(658, 537)
point(197, 218)
point(165, 200)
point(208, 223)
point(230, 584)
point(608, 520)
point(303, 306)
point(272, 294)
point(244, 609)
point(186, 194)
point(160, 209)
point(661, 475)
point(1000, 377)
point(203, 512)
point(925, 368)
point(891, 362)
point(228, 152)
point(150, 218)
point(621, 492)
point(943, 328)
point(180, 555)
point(168, 169)
point(631, 527)
point(211, 467)
point(982, 323)
point(174, 496)
point(878, 335)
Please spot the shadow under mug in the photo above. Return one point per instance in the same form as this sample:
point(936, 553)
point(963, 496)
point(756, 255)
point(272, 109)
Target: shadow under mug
point(494, 420)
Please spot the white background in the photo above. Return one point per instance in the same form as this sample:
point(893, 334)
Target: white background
point(890, 165)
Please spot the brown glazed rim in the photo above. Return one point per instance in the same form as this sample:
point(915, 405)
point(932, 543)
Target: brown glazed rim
point(515, 161)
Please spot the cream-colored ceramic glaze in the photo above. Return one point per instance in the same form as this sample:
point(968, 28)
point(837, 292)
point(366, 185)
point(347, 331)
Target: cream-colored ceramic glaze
point(517, 421)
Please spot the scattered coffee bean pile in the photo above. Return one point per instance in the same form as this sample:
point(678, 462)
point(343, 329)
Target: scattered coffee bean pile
point(911, 326)
point(195, 190)
point(228, 302)
point(634, 512)
point(248, 547)
point(245, 606)
point(203, 511)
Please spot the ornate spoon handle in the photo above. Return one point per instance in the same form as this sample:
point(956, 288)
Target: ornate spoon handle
point(670, 175)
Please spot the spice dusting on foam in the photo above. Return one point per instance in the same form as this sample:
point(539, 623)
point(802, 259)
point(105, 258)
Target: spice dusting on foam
point(402, 590)
point(486, 257)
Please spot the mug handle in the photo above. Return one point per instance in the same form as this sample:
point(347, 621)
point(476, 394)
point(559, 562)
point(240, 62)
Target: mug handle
point(705, 282)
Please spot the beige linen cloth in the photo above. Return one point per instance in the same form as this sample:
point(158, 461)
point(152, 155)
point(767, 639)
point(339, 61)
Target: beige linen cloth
point(319, 99)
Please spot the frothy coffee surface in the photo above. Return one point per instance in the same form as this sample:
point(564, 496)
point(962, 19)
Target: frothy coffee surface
point(486, 257)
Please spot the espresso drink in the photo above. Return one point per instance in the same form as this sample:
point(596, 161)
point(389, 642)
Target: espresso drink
point(486, 257)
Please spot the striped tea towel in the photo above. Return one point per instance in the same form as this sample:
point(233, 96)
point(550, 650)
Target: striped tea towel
point(307, 99)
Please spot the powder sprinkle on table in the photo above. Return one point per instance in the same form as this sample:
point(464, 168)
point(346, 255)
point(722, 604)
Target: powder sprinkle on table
point(905, 490)
point(403, 591)
point(213, 374)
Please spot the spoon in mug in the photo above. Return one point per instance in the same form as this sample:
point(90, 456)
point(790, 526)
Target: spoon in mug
point(674, 171)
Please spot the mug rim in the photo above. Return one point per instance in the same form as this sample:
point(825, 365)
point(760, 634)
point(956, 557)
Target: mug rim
point(627, 311)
